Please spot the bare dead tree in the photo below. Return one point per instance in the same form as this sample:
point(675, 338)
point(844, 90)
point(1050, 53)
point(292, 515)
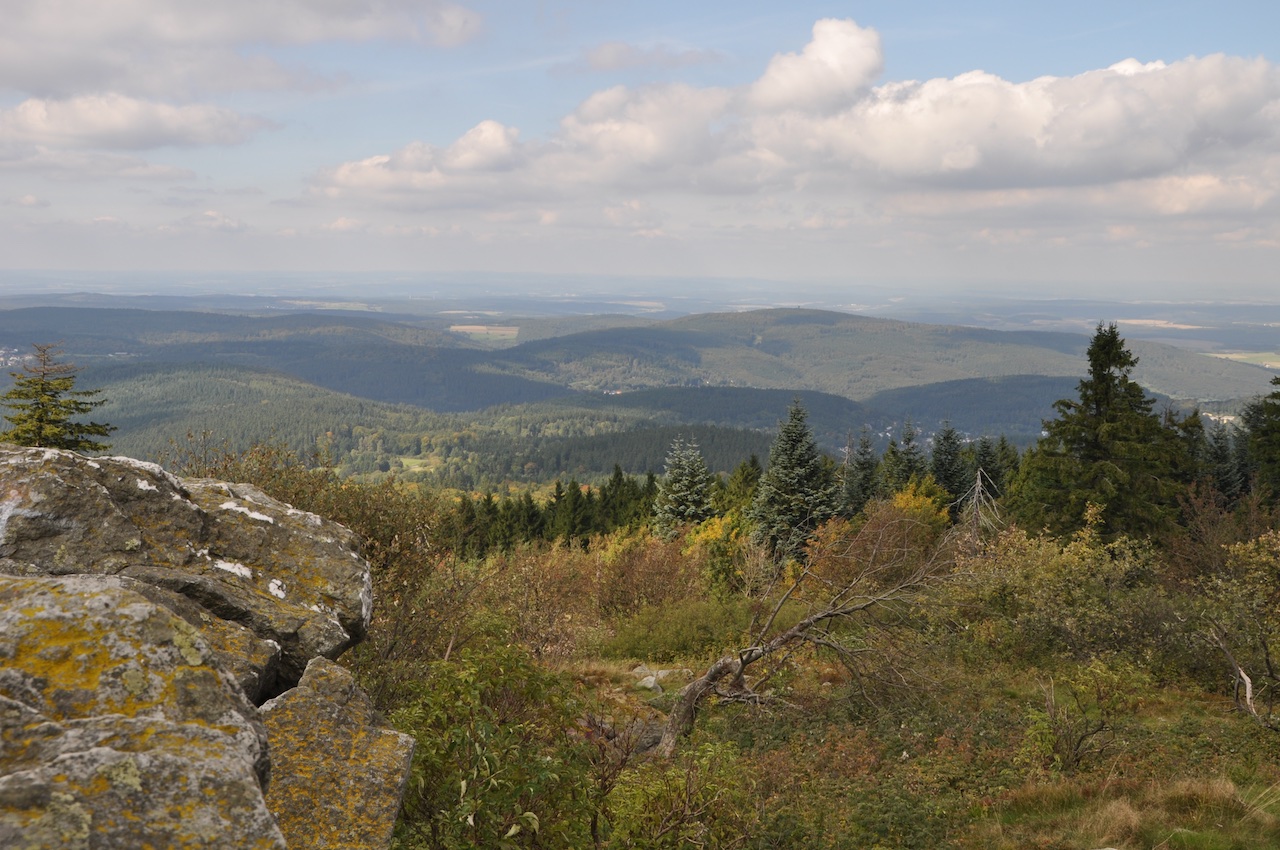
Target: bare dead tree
point(885, 570)
point(1245, 692)
point(979, 509)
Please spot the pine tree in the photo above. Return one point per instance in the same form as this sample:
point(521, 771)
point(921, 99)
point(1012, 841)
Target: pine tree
point(44, 400)
point(621, 501)
point(797, 493)
point(902, 460)
point(736, 493)
point(1107, 449)
point(860, 475)
point(986, 459)
point(1230, 476)
point(947, 462)
point(572, 513)
point(684, 493)
point(1262, 419)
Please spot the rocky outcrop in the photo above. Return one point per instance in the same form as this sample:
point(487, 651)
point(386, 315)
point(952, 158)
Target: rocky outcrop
point(142, 619)
point(292, 580)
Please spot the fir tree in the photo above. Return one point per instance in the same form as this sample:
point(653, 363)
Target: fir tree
point(572, 514)
point(621, 501)
point(44, 401)
point(1229, 475)
point(947, 462)
point(684, 493)
point(860, 474)
point(987, 459)
point(903, 460)
point(737, 492)
point(1262, 419)
point(1106, 448)
point(797, 493)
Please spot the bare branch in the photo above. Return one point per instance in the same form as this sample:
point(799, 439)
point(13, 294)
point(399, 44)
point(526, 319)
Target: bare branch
point(888, 572)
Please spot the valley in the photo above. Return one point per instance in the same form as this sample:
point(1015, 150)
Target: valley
point(566, 391)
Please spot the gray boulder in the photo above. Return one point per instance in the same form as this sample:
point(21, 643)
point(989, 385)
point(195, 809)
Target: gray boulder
point(142, 619)
point(118, 729)
point(295, 583)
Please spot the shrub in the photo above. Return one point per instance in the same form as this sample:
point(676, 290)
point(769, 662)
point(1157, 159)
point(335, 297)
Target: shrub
point(703, 799)
point(687, 629)
point(1034, 599)
point(495, 764)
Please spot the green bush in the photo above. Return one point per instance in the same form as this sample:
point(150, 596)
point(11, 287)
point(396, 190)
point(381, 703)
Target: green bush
point(689, 628)
point(1035, 600)
point(496, 762)
point(703, 799)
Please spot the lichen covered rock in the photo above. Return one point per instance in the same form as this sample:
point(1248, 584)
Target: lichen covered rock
point(117, 728)
point(349, 799)
point(295, 582)
point(143, 618)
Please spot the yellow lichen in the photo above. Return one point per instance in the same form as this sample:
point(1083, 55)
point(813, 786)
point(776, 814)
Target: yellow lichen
point(70, 820)
point(124, 774)
point(186, 639)
point(134, 681)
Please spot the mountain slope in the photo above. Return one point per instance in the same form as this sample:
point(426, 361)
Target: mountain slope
point(852, 356)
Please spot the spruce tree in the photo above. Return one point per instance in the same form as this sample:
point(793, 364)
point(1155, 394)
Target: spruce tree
point(1228, 469)
point(684, 493)
point(987, 459)
point(860, 475)
point(44, 401)
point(947, 462)
point(572, 513)
point(621, 501)
point(797, 493)
point(903, 460)
point(1108, 449)
point(736, 493)
point(1262, 419)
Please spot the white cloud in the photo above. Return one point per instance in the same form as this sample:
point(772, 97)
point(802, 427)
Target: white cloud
point(826, 147)
point(30, 201)
point(118, 122)
point(488, 146)
point(643, 135)
point(842, 60)
point(343, 224)
point(158, 47)
point(209, 220)
point(79, 165)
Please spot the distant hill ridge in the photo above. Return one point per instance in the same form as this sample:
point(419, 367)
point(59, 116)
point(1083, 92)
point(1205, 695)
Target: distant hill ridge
point(301, 376)
point(845, 354)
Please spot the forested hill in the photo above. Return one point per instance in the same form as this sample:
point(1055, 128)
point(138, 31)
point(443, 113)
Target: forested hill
point(847, 355)
point(419, 361)
point(381, 390)
point(373, 358)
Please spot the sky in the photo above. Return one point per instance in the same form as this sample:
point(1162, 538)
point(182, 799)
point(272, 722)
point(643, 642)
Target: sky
point(1128, 149)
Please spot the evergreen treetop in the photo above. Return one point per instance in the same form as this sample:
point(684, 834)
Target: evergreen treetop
point(43, 402)
point(1262, 418)
point(797, 493)
point(684, 493)
point(1107, 449)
